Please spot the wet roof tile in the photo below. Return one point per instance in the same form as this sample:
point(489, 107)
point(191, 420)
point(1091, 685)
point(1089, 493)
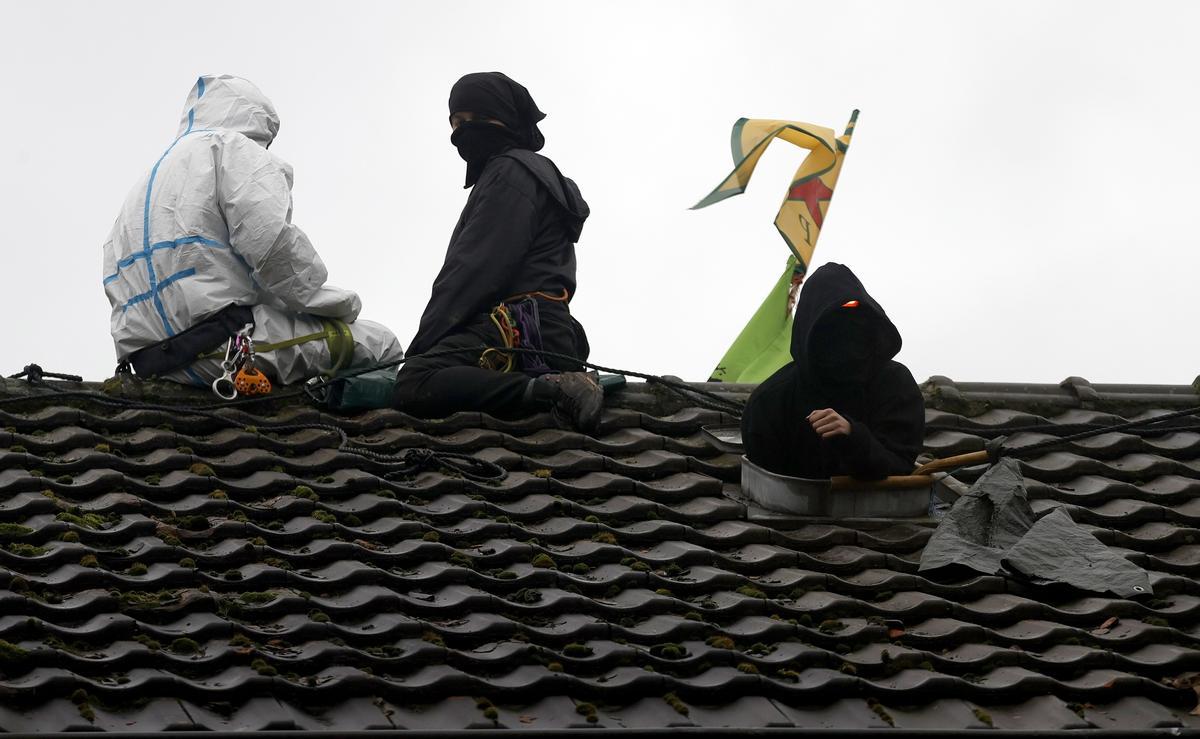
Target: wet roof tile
point(167, 571)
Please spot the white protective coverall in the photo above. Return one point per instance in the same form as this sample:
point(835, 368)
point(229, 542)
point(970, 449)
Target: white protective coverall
point(209, 226)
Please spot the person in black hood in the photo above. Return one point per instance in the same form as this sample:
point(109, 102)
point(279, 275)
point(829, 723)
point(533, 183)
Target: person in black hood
point(843, 406)
point(508, 276)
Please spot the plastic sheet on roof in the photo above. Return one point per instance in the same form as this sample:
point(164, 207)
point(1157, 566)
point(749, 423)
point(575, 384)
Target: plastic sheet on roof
point(993, 529)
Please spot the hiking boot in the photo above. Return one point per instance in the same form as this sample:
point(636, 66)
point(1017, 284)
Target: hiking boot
point(579, 402)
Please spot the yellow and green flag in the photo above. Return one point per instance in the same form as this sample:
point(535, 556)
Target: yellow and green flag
point(764, 344)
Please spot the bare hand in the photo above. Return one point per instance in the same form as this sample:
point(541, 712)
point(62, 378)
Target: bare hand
point(827, 422)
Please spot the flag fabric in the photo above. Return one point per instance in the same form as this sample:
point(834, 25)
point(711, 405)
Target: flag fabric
point(763, 345)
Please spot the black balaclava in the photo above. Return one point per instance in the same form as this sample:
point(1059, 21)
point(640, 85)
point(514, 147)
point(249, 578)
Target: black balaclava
point(843, 350)
point(493, 95)
point(841, 337)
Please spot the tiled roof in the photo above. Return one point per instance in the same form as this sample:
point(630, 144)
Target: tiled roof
point(164, 571)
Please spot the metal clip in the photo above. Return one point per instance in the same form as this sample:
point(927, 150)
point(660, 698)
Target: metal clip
point(223, 386)
point(239, 352)
point(246, 344)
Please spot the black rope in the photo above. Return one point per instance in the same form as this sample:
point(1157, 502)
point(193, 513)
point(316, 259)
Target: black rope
point(476, 469)
point(990, 432)
point(407, 462)
point(34, 374)
point(313, 388)
point(1138, 424)
point(1058, 429)
point(996, 449)
point(688, 391)
point(683, 388)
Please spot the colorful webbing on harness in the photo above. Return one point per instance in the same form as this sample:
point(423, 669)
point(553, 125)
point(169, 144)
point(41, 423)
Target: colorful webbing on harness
point(510, 335)
point(529, 325)
point(520, 326)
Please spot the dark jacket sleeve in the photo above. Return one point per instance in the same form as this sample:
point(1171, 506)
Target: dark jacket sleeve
point(500, 225)
point(768, 426)
point(889, 445)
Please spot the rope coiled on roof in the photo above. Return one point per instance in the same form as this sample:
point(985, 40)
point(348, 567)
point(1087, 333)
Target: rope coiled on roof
point(473, 468)
point(408, 462)
point(405, 463)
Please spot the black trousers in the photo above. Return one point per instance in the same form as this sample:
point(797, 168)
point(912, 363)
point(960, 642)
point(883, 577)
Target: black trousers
point(448, 382)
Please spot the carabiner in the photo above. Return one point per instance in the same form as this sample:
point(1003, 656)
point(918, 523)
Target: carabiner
point(224, 387)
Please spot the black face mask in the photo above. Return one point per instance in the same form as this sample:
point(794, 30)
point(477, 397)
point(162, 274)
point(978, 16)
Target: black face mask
point(844, 351)
point(479, 141)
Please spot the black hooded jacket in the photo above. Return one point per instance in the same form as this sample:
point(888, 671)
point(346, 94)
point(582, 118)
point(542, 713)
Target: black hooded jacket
point(856, 377)
point(516, 234)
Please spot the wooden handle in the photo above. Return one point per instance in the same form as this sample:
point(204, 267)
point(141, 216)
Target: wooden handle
point(949, 463)
point(895, 482)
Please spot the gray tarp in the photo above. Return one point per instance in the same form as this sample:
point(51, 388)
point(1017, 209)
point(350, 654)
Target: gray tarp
point(993, 530)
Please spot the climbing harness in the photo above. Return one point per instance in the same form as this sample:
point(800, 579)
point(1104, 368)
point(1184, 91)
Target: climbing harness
point(336, 335)
point(562, 297)
point(240, 375)
point(183, 349)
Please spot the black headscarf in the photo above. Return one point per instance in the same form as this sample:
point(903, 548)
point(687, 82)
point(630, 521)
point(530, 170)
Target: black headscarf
point(493, 95)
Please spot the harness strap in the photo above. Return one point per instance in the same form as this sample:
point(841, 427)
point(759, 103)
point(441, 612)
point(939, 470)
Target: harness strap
point(563, 298)
point(288, 343)
point(340, 342)
point(335, 333)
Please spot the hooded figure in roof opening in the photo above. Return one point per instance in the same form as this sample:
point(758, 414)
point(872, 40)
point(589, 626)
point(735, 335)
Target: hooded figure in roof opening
point(508, 276)
point(204, 245)
point(843, 406)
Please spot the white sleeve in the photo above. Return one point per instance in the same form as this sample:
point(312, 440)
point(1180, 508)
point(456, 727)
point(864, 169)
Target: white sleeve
point(110, 267)
point(255, 194)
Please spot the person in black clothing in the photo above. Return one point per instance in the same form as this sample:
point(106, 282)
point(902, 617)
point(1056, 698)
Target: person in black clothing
point(843, 406)
point(510, 265)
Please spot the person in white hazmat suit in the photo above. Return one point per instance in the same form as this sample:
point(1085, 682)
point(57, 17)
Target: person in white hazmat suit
point(209, 228)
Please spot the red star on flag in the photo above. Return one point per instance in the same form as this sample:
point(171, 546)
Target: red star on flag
point(812, 192)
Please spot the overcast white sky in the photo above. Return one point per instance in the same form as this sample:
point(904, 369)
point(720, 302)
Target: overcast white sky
point(1020, 193)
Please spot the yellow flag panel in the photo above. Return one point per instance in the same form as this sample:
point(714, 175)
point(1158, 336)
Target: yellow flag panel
point(803, 211)
point(764, 344)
